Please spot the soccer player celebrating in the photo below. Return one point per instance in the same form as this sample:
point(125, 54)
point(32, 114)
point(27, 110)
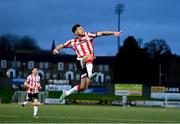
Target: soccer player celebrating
point(83, 46)
point(33, 86)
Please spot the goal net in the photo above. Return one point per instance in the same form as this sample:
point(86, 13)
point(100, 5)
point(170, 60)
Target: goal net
point(20, 96)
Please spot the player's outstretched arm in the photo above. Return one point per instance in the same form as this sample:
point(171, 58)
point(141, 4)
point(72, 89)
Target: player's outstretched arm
point(58, 48)
point(106, 33)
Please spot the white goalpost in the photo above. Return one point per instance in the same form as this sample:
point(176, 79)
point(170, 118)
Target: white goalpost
point(20, 96)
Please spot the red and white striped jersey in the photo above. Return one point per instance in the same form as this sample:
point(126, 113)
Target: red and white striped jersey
point(83, 46)
point(34, 81)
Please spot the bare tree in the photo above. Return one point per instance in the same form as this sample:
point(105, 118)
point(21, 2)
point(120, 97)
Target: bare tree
point(7, 42)
point(157, 47)
point(14, 43)
point(27, 43)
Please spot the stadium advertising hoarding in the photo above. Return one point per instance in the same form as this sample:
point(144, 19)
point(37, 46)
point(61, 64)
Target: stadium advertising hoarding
point(97, 90)
point(165, 95)
point(149, 103)
point(53, 101)
point(158, 103)
point(88, 102)
point(60, 82)
point(17, 83)
point(162, 89)
point(173, 104)
point(57, 87)
point(128, 89)
point(162, 92)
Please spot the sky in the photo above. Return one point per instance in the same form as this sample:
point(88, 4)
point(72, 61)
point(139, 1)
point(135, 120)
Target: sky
point(48, 20)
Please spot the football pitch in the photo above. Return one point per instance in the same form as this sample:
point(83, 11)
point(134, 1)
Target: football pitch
point(14, 113)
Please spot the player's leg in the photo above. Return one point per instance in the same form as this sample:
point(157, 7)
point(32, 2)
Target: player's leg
point(85, 81)
point(75, 89)
point(82, 84)
point(28, 99)
point(36, 105)
point(78, 87)
point(83, 62)
point(88, 81)
point(88, 61)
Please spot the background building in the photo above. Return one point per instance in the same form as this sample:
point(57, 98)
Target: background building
point(52, 69)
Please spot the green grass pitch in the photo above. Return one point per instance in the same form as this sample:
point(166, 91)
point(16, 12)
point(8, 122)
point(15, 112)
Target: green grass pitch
point(14, 113)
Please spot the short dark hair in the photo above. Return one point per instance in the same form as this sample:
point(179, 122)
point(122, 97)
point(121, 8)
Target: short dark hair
point(75, 27)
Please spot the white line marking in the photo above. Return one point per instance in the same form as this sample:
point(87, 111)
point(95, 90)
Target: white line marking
point(109, 119)
point(105, 119)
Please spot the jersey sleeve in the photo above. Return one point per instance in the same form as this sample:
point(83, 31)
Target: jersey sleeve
point(92, 34)
point(68, 44)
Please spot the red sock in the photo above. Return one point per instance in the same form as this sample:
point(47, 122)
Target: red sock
point(78, 88)
point(89, 61)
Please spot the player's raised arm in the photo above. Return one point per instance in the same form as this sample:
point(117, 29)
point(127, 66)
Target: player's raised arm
point(67, 44)
point(106, 33)
point(58, 48)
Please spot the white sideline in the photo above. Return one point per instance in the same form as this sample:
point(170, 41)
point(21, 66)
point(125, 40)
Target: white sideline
point(105, 119)
point(110, 119)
